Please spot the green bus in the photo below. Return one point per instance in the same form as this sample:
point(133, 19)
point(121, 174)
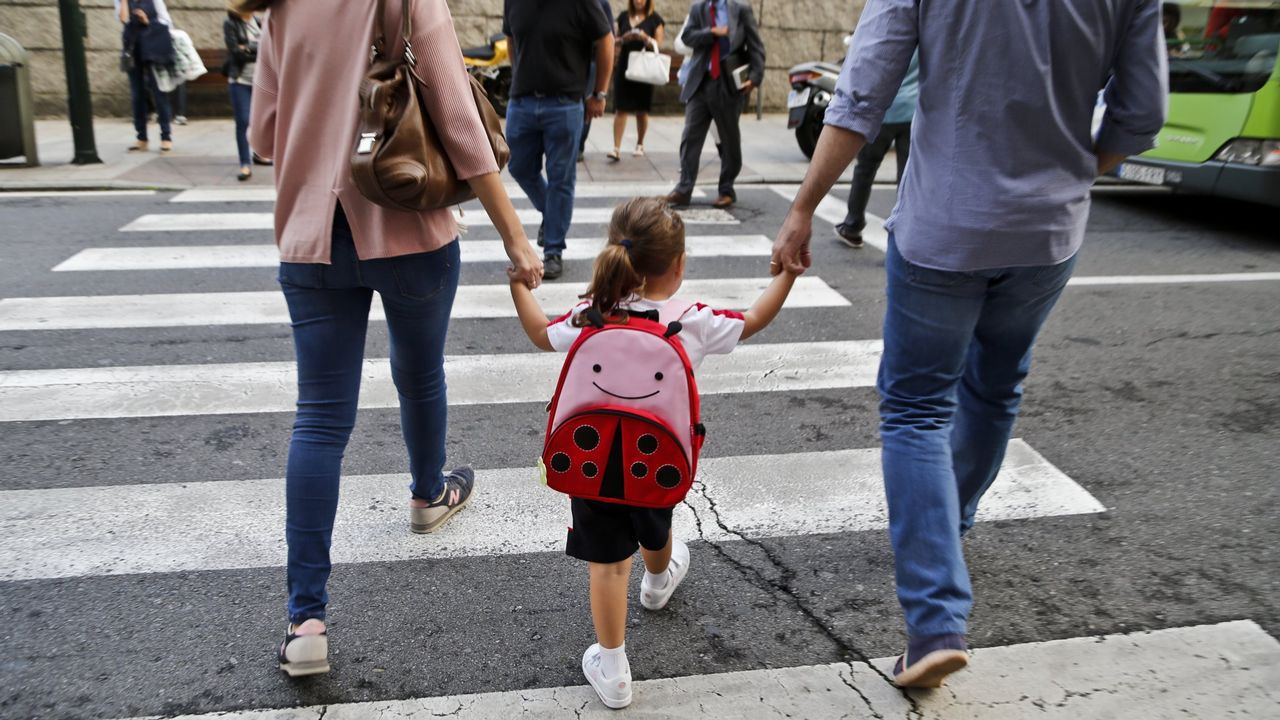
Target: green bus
point(1222, 136)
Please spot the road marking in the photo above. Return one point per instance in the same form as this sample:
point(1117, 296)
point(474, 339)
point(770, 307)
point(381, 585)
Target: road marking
point(186, 257)
point(218, 389)
point(1204, 671)
point(268, 194)
point(6, 195)
point(833, 211)
point(1173, 279)
point(189, 222)
point(222, 525)
point(268, 307)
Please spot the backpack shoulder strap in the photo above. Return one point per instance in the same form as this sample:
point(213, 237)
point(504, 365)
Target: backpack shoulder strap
point(673, 310)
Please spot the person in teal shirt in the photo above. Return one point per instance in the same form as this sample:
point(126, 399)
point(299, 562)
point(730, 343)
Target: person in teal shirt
point(896, 133)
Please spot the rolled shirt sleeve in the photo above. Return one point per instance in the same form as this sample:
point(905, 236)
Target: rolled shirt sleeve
point(1137, 94)
point(885, 40)
point(447, 91)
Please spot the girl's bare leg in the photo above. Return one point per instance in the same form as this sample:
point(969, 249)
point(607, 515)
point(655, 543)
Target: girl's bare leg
point(609, 600)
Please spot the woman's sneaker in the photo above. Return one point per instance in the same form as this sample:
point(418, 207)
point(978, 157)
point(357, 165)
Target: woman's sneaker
point(305, 650)
point(653, 598)
point(459, 485)
point(614, 692)
point(929, 660)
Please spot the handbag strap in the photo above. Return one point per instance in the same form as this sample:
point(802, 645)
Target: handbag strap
point(380, 33)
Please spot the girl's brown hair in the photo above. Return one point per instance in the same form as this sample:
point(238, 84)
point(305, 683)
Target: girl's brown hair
point(645, 239)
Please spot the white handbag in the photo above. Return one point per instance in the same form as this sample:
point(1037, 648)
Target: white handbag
point(651, 68)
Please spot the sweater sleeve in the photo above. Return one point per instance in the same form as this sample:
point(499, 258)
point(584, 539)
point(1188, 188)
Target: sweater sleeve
point(447, 91)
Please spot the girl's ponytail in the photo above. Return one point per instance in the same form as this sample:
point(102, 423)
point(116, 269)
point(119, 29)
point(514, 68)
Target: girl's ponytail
point(645, 239)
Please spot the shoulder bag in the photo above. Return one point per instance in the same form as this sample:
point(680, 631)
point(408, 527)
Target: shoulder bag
point(398, 161)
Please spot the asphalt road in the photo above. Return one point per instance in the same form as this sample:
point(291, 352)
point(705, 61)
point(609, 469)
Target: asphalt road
point(1161, 400)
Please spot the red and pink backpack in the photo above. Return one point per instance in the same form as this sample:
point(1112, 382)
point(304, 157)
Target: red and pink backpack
point(623, 425)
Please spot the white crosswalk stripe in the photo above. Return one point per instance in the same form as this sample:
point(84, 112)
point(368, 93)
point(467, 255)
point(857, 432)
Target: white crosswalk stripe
point(156, 528)
point(169, 390)
point(190, 222)
point(1205, 671)
point(193, 257)
point(268, 307)
point(587, 191)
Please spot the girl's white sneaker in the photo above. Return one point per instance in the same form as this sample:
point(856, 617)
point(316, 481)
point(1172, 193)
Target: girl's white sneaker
point(614, 692)
point(656, 598)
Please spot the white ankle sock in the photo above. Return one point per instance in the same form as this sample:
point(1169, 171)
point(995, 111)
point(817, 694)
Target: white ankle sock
point(659, 581)
point(613, 661)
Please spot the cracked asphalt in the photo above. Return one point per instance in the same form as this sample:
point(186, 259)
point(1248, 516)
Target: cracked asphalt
point(1163, 401)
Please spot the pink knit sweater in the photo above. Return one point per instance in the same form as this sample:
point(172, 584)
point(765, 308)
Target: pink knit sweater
point(312, 57)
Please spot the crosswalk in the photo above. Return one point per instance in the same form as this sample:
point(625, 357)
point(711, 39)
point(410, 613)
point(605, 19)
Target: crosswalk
point(212, 530)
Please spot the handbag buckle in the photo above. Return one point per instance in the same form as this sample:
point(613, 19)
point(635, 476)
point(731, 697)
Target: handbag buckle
point(365, 146)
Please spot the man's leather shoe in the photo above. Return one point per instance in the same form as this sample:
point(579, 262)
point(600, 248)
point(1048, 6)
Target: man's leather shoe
point(723, 202)
point(552, 267)
point(676, 198)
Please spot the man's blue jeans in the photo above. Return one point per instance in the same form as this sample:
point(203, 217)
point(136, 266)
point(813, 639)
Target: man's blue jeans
point(957, 346)
point(329, 309)
point(550, 127)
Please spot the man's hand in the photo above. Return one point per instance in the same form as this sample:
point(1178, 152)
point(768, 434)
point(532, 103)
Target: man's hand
point(526, 266)
point(791, 249)
point(720, 31)
point(141, 15)
point(595, 108)
point(747, 87)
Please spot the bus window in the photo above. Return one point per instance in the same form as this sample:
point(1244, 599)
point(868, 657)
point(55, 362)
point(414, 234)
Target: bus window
point(1223, 48)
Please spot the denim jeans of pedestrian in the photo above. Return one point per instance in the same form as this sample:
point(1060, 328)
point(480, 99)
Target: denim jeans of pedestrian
point(329, 310)
point(142, 83)
point(240, 97)
point(550, 128)
point(957, 346)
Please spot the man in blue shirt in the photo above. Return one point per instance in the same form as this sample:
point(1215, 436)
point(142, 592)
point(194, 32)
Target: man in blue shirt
point(982, 242)
point(895, 132)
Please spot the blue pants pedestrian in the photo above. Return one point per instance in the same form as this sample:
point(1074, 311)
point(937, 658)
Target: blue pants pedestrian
point(550, 128)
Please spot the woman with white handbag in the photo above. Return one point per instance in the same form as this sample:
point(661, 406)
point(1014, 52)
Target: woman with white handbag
point(642, 65)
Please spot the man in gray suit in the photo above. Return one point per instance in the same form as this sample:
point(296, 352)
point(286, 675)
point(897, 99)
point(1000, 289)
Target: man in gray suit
point(724, 38)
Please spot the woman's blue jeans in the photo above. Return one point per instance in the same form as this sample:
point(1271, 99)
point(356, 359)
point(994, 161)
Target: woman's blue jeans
point(957, 346)
point(329, 310)
point(142, 80)
point(241, 95)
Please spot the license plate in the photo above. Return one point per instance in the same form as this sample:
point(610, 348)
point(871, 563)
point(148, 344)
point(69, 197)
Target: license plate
point(798, 98)
point(1142, 173)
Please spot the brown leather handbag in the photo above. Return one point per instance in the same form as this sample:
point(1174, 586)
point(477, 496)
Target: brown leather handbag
point(398, 160)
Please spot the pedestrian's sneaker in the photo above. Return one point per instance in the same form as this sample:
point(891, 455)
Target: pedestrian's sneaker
point(552, 267)
point(179, 119)
point(614, 692)
point(458, 488)
point(653, 599)
point(305, 650)
point(848, 236)
point(929, 660)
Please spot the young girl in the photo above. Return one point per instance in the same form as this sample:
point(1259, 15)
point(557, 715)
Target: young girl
point(640, 268)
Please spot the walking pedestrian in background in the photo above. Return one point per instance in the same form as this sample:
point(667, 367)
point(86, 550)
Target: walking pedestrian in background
point(982, 242)
point(724, 38)
point(145, 45)
point(241, 33)
point(895, 132)
point(337, 248)
point(591, 84)
point(551, 46)
point(638, 27)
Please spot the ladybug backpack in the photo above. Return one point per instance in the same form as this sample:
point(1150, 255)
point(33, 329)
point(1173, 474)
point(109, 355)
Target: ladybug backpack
point(623, 425)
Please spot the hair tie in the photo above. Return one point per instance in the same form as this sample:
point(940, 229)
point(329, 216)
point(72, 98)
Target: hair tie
point(626, 243)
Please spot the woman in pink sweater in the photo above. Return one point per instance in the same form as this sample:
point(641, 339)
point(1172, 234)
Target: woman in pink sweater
point(337, 248)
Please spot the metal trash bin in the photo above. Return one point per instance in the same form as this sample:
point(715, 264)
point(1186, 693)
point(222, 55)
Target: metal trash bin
point(17, 122)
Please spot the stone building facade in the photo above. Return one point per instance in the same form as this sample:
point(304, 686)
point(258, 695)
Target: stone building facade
point(793, 30)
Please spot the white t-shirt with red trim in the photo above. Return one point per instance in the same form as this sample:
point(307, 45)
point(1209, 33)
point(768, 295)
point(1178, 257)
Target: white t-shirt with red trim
point(704, 330)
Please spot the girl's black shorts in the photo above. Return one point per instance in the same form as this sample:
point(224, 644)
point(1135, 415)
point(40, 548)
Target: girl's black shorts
point(608, 532)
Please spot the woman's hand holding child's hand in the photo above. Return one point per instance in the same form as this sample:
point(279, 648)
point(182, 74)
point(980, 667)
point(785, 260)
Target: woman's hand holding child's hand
point(526, 266)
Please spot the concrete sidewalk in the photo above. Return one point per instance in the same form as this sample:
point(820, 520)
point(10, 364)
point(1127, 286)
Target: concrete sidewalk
point(204, 155)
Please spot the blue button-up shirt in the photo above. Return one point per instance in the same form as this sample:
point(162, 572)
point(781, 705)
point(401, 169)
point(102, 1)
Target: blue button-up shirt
point(1001, 152)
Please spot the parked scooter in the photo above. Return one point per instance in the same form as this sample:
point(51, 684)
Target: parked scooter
point(491, 65)
point(812, 86)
